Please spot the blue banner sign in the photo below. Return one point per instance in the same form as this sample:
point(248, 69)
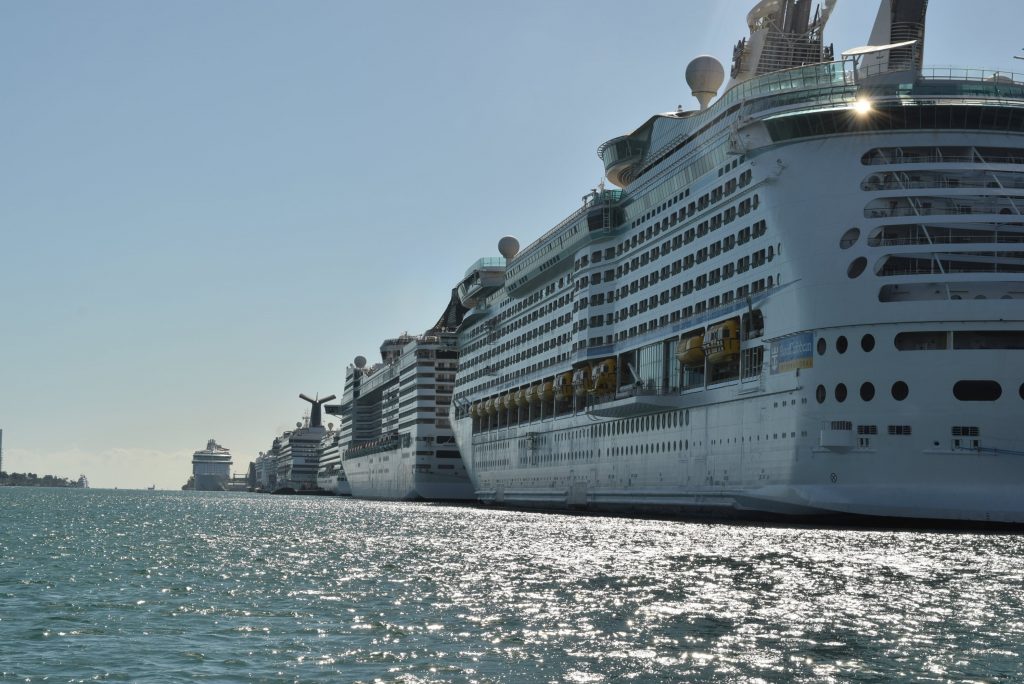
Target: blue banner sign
point(793, 352)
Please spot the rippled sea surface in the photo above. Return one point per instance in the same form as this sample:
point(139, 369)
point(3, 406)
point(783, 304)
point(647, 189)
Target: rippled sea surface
point(154, 586)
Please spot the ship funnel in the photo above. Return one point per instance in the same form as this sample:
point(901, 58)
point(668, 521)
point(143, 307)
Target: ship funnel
point(899, 31)
point(315, 417)
point(705, 76)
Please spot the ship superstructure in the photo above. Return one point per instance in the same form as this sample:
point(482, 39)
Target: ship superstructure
point(211, 468)
point(803, 298)
point(395, 435)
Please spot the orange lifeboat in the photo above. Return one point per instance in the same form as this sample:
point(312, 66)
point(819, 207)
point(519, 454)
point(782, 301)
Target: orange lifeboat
point(690, 350)
point(563, 385)
point(547, 391)
point(722, 341)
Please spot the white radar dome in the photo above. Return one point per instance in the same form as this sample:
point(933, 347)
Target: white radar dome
point(360, 362)
point(508, 247)
point(705, 75)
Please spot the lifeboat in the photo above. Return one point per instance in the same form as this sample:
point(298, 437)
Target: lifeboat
point(690, 350)
point(722, 341)
point(563, 385)
point(473, 409)
point(508, 401)
point(533, 393)
point(581, 380)
point(489, 406)
point(521, 398)
point(604, 378)
point(547, 391)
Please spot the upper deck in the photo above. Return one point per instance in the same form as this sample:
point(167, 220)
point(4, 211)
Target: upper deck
point(839, 86)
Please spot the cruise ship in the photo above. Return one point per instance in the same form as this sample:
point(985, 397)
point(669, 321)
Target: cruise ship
point(296, 453)
point(211, 468)
point(330, 476)
point(395, 436)
point(802, 298)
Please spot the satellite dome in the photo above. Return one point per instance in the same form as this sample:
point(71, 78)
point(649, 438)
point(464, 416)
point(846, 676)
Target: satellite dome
point(508, 247)
point(705, 75)
point(360, 362)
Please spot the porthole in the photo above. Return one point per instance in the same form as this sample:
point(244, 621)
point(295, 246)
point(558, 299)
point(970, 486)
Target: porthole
point(977, 390)
point(849, 238)
point(900, 390)
point(841, 344)
point(819, 394)
point(822, 345)
point(840, 393)
point(867, 391)
point(856, 267)
point(867, 343)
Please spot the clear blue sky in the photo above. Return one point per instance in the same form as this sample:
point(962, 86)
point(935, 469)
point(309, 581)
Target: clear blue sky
point(207, 207)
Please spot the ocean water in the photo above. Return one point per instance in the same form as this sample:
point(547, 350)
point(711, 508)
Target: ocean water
point(178, 586)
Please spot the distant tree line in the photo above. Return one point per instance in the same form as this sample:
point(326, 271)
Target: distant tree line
point(33, 480)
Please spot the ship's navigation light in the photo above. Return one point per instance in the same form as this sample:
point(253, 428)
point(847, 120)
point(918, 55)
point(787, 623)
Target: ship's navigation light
point(862, 107)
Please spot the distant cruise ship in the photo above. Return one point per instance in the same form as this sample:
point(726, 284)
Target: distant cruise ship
point(395, 436)
point(804, 298)
point(211, 468)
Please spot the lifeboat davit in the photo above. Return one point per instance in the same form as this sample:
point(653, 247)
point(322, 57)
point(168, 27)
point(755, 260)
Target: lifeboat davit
point(581, 380)
point(604, 378)
point(690, 350)
point(563, 385)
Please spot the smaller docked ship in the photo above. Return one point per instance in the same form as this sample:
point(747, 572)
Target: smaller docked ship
point(211, 468)
point(330, 476)
point(395, 437)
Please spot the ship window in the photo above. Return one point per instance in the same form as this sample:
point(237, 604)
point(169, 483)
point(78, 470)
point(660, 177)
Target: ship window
point(915, 341)
point(867, 343)
point(988, 339)
point(856, 267)
point(840, 393)
point(1021, 391)
point(900, 390)
point(867, 391)
point(820, 393)
point(977, 390)
point(841, 344)
point(822, 346)
point(849, 238)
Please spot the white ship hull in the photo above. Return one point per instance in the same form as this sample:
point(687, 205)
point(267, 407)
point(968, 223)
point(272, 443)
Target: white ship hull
point(334, 485)
point(210, 483)
point(766, 445)
point(394, 475)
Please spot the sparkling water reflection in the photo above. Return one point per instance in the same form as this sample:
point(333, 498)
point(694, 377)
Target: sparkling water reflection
point(125, 586)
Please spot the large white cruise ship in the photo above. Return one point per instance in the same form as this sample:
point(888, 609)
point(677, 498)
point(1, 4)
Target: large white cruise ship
point(211, 468)
point(395, 435)
point(805, 299)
